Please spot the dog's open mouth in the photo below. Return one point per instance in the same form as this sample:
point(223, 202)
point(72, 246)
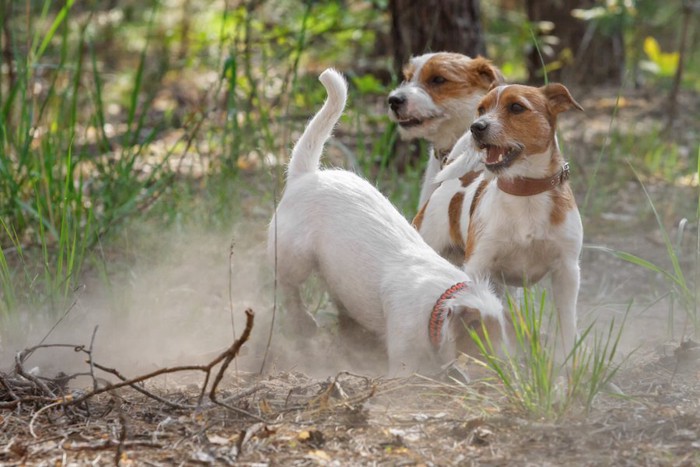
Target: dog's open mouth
point(500, 157)
point(412, 122)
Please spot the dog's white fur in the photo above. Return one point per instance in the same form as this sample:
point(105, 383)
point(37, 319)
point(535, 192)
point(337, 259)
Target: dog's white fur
point(516, 240)
point(373, 262)
point(444, 121)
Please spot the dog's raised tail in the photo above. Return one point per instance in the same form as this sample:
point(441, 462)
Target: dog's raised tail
point(306, 154)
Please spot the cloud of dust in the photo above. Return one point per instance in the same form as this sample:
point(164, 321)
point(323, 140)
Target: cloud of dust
point(166, 303)
point(170, 306)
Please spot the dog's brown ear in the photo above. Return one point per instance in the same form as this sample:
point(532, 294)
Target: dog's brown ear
point(559, 98)
point(408, 70)
point(463, 319)
point(464, 316)
point(489, 75)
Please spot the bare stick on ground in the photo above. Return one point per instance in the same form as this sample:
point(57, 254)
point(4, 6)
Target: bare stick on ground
point(25, 388)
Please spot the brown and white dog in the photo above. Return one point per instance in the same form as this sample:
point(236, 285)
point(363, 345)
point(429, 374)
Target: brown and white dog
point(517, 220)
point(440, 90)
point(373, 262)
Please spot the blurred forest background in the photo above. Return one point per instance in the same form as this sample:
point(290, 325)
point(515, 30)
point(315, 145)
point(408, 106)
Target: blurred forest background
point(115, 115)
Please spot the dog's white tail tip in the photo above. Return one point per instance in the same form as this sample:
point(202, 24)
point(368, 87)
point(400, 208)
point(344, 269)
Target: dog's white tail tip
point(332, 80)
point(307, 151)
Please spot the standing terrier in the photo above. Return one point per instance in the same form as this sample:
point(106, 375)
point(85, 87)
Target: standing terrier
point(517, 220)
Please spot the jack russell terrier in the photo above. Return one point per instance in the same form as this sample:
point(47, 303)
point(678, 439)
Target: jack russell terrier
point(439, 90)
point(517, 220)
point(375, 265)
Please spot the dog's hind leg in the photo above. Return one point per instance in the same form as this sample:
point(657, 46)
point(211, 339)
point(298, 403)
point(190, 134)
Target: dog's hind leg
point(297, 321)
point(294, 264)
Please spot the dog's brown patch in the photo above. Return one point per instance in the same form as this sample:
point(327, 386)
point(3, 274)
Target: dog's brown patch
point(472, 229)
point(526, 115)
point(469, 177)
point(484, 74)
point(418, 220)
point(454, 213)
point(408, 70)
point(448, 76)
point(477, 197)
point(562, 202)
point(532, 127)
point(482, 325)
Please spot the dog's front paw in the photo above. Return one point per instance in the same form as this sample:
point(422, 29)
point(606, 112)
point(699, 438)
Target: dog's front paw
point(457, 374)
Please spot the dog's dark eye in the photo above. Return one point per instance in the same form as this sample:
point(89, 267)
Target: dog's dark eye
point(438, 80)
point(481, 110)
point(517, 108)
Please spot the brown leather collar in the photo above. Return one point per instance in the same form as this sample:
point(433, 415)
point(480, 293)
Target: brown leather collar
point(523, 186)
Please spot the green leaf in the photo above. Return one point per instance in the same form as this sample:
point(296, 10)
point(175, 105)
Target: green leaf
point(368, 84)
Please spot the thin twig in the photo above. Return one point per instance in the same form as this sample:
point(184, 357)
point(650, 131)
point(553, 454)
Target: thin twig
point(19, 369)
point(39, 412)
point(143, 391)
point(230, 296)
point(122, 437)
point(90, 360)
point(8, 388)
point(231, 353)
point(70, 308)
point(106, 444)
point(139, 379)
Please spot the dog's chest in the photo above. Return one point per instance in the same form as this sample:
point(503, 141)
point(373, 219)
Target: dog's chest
point(519, 241)
point(515, 263)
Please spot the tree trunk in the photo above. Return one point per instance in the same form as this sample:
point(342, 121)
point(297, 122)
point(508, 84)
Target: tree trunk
point(436, 26)
point(582, 54)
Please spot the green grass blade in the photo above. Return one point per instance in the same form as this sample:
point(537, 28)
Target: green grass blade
point(60, 17)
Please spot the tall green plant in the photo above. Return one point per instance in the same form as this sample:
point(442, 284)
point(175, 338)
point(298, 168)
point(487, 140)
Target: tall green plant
point(57, 197)
point(536, 381)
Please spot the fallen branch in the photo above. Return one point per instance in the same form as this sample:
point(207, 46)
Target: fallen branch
point(227, 355)
point(28, 388)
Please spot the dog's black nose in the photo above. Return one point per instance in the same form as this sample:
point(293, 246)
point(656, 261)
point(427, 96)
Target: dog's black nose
point(396, 101)
point(479, 127)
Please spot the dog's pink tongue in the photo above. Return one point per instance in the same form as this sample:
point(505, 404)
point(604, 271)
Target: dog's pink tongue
point(493, 154)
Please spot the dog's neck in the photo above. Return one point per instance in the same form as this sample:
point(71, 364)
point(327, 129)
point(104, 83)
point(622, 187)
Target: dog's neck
point(524, 186)
point(556, 173)
point(441, 155)
point(445, 144)
point(439, 314)
point(441, 151)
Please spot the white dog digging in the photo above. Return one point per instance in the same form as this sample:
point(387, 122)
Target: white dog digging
point(374, 263)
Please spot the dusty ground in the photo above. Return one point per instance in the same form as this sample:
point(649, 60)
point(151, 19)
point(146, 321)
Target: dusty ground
point(354, 420)
point(304, 410)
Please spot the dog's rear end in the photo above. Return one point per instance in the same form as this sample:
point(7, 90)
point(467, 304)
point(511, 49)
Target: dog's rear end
point(294, 266)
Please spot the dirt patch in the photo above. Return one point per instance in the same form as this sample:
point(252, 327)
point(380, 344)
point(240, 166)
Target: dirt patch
point(354, 420)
